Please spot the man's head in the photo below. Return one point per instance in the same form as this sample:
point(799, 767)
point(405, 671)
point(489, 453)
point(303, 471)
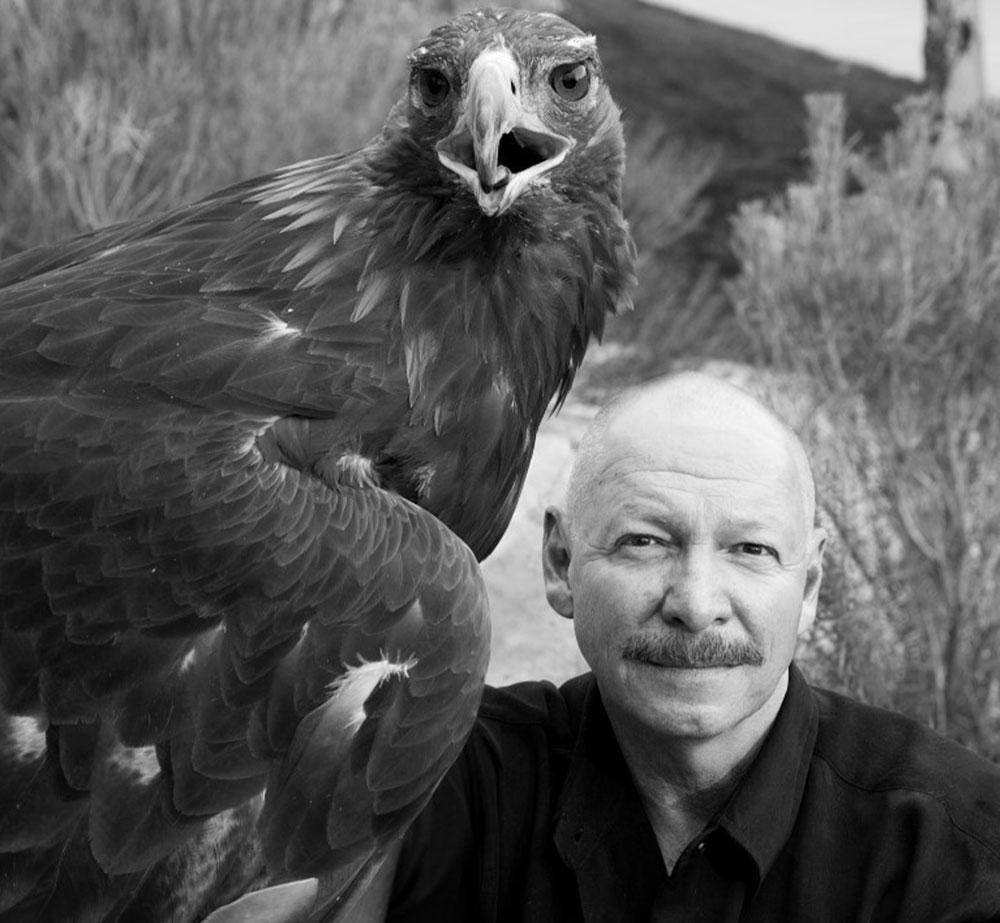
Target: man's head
point(687, 555)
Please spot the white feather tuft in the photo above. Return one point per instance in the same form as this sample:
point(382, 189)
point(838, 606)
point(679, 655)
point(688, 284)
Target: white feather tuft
point(25, 738)
point(350, 691)
point(276, 328)
point(356, 470)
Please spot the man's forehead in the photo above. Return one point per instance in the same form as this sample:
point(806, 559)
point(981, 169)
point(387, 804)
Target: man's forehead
point(700, 426)
point(738, 465)
point(739, 494)
point(709, 447)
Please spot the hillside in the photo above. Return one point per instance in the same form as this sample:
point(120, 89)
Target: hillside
point(716, 85)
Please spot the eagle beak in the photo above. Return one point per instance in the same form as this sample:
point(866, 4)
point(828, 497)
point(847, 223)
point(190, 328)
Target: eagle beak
point(499, 147)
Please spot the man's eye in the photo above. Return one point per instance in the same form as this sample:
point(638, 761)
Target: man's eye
point(757, 550)
point(638, 540)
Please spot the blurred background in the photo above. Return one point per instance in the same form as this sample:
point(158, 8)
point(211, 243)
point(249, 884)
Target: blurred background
point(814, 188)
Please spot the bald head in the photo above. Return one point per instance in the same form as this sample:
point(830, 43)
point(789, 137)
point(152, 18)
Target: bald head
point(666, 422)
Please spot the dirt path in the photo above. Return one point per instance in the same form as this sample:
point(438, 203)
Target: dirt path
point(530, 641)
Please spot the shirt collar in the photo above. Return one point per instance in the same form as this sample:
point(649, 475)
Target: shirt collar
point(762, 811)
point(599, 805)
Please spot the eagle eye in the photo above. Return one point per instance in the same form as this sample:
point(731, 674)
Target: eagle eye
point(433, 86)
point(571, 81)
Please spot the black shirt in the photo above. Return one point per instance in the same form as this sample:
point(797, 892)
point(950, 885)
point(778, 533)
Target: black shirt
point(848, 813)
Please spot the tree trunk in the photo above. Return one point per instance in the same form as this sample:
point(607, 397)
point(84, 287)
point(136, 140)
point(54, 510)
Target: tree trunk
point(953, 55)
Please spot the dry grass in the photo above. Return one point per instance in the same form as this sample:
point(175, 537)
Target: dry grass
point(111, 110)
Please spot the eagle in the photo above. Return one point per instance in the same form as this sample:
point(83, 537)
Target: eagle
point(251, 452)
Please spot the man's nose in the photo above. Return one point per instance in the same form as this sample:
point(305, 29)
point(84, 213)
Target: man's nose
point(693, 593)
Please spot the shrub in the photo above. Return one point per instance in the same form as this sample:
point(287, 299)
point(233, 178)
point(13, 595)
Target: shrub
point(880, 279)
point(681, 309)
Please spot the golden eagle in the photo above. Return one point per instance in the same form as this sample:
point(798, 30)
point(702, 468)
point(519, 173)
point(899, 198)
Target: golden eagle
point(245, 450)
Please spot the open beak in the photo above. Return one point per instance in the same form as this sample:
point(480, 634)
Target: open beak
point(499, 147)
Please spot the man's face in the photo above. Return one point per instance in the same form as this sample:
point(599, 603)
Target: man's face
point(690, 571)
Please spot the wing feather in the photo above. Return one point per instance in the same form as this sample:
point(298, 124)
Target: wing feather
point(354, 557)
point(203, 568)
point(218, 426)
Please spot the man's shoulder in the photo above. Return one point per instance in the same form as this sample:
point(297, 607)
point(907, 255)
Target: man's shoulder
point(537, 710)
point(879, 751)
point(537, 703)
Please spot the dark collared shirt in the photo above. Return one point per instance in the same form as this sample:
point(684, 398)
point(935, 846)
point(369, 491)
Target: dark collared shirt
point(848, 813)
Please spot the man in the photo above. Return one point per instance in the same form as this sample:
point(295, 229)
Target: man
point(694, 775)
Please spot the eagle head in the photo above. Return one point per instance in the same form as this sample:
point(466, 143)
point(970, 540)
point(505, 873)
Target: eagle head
point(507, 105)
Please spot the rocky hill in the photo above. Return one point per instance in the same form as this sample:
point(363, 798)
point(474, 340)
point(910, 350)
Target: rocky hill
point(712, 84)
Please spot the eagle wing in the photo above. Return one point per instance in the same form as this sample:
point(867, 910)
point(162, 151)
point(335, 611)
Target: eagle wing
point(205, 589)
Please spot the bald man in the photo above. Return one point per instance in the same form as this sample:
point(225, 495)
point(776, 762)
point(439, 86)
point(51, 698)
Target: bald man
point(693, 774)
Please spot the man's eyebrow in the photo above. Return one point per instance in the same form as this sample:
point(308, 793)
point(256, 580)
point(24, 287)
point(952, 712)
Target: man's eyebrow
point(760, 523)
point(653, 512)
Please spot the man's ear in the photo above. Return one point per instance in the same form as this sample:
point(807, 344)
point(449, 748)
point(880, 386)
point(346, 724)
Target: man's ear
point(555, 562)
point(814, 576)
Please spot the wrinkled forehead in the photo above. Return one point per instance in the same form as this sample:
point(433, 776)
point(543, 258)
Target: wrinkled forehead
point(527, 34)
point(749, 462)
point(713, 453)
point(745, 444)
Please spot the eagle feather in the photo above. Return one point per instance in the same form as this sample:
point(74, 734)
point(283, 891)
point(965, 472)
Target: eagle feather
point(259, 440)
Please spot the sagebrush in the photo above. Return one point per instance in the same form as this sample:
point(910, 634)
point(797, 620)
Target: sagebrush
point(879, 279)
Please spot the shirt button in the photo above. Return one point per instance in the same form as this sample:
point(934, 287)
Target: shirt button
point(701, 846)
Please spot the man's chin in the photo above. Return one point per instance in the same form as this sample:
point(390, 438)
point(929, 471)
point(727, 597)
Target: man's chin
point(694, 703)
point(670, 686)
point(684, 702)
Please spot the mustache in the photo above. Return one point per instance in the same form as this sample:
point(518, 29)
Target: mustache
point(695, 651)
